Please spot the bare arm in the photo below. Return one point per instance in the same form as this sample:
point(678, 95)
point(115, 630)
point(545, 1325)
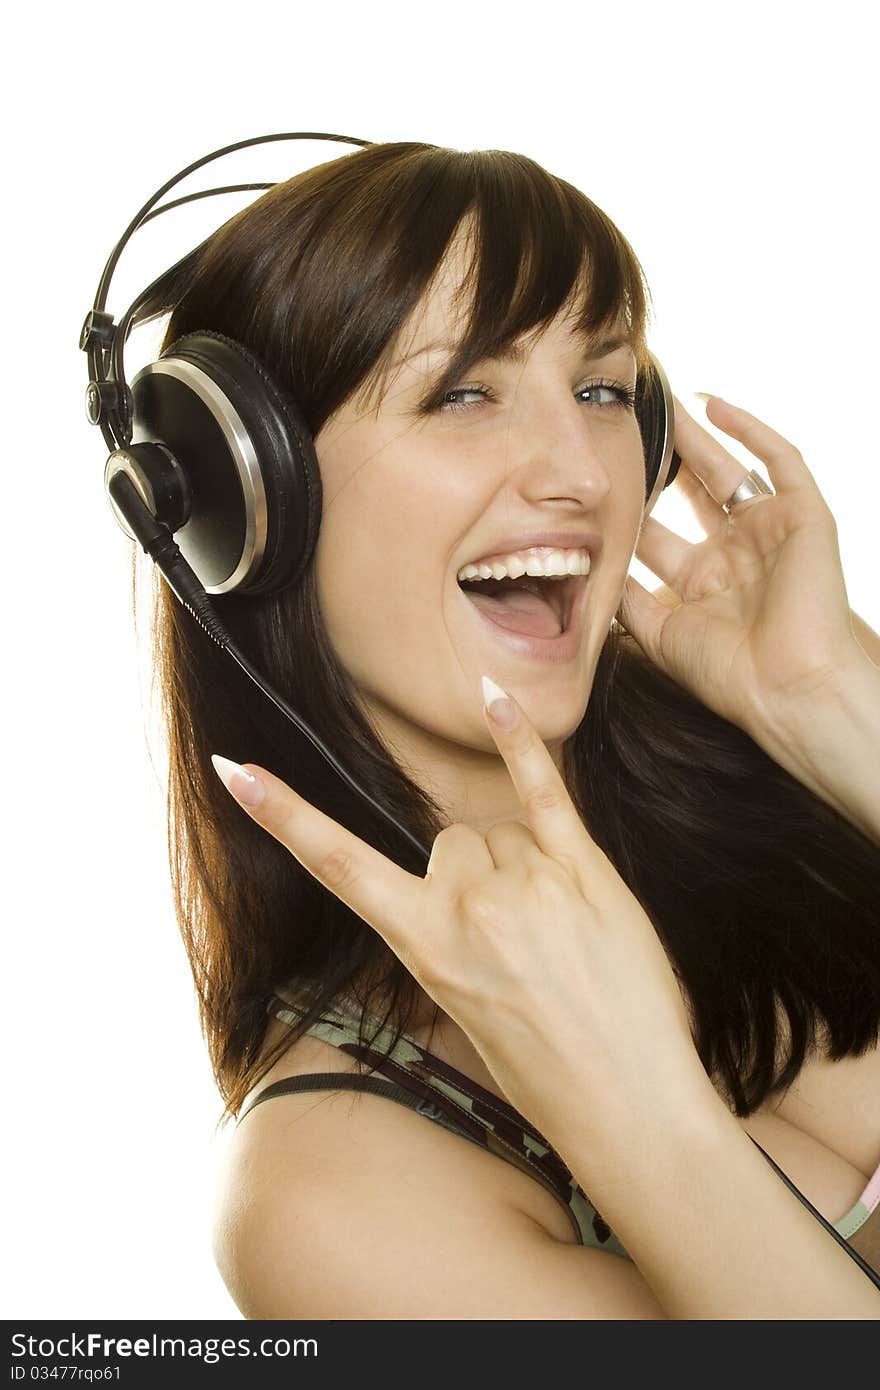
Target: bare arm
point(831, 741)
point(712, 1229)
point(343, 1206)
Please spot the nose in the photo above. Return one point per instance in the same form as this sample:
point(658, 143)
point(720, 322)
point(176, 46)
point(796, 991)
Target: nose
point(558, 453)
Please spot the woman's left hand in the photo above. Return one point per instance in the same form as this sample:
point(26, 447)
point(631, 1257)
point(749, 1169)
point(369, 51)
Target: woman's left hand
point(756, 616)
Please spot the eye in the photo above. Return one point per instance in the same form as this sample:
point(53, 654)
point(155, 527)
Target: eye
point(622, 397)
point(485, 391)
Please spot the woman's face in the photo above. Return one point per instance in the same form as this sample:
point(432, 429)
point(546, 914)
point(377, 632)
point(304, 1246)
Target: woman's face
point(410, 499)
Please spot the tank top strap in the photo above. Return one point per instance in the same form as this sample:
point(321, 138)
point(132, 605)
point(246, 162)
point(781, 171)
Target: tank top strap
point(478, 1114)
point(861, 1224)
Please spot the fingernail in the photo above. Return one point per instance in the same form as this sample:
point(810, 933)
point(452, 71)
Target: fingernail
point(497, 704)
point(707, 396)
point(246, 788)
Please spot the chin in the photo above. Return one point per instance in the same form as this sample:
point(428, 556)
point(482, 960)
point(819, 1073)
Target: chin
point(553, 713)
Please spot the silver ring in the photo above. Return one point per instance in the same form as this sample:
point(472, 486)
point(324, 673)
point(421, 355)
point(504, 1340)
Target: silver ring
point(752, 485)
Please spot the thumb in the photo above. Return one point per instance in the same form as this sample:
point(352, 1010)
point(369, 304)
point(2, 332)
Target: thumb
point(643, 616)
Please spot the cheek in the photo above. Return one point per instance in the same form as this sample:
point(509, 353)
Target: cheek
point(379, 581)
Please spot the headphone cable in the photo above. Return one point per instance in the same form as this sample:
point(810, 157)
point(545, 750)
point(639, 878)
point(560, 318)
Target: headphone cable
point(157, 541)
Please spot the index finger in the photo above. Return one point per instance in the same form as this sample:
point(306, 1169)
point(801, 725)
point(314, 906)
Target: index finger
point(552, 815)
point(378, 890)
point(717, 468)
point(785, 463)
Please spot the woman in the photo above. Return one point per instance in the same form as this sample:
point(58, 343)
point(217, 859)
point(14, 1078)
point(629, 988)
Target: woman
point(648, 929)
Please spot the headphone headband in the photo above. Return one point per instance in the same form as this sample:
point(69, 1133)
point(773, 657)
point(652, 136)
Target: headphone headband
point(215, 449)
point(107, 398)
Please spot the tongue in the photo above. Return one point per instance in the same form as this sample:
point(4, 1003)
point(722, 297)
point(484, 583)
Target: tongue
point(518, 610)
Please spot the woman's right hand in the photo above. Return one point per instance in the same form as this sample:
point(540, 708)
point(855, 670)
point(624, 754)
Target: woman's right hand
point(527, 937)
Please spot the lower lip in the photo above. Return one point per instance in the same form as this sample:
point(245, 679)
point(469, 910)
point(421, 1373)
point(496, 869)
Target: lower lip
point(562, 648)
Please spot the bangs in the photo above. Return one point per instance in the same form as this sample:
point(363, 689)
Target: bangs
point(533, 246)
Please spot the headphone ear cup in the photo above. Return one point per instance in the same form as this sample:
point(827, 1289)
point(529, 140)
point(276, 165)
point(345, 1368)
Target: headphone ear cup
point(655, 412)
point(248, 458)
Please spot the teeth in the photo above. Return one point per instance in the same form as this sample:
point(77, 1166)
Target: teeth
point(557, 565)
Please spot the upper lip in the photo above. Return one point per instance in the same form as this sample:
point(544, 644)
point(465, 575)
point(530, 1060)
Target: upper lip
point(559, 540)
point(562, 598)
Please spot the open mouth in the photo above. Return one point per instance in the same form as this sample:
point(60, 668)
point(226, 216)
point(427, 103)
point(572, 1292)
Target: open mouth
point(536, 606)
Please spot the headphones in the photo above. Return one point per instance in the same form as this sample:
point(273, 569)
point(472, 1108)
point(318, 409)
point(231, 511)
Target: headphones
point(220, 453)
point(208, 448)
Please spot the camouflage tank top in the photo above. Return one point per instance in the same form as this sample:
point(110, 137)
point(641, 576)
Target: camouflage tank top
point(418, 1079)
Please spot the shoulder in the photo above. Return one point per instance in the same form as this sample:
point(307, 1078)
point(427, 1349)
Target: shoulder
point(343, 1204)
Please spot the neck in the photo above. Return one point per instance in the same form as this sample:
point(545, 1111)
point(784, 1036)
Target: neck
point(469, 785)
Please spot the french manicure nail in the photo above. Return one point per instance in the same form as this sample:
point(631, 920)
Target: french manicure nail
point(242, 785)
point(497, 704)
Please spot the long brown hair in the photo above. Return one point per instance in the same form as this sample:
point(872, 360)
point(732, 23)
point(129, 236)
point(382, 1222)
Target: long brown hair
point(764, 898)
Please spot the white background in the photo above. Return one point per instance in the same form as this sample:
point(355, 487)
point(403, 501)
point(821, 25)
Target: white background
point(733, 146)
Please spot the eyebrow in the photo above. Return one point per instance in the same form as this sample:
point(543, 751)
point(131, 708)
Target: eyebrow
point(518, 355)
